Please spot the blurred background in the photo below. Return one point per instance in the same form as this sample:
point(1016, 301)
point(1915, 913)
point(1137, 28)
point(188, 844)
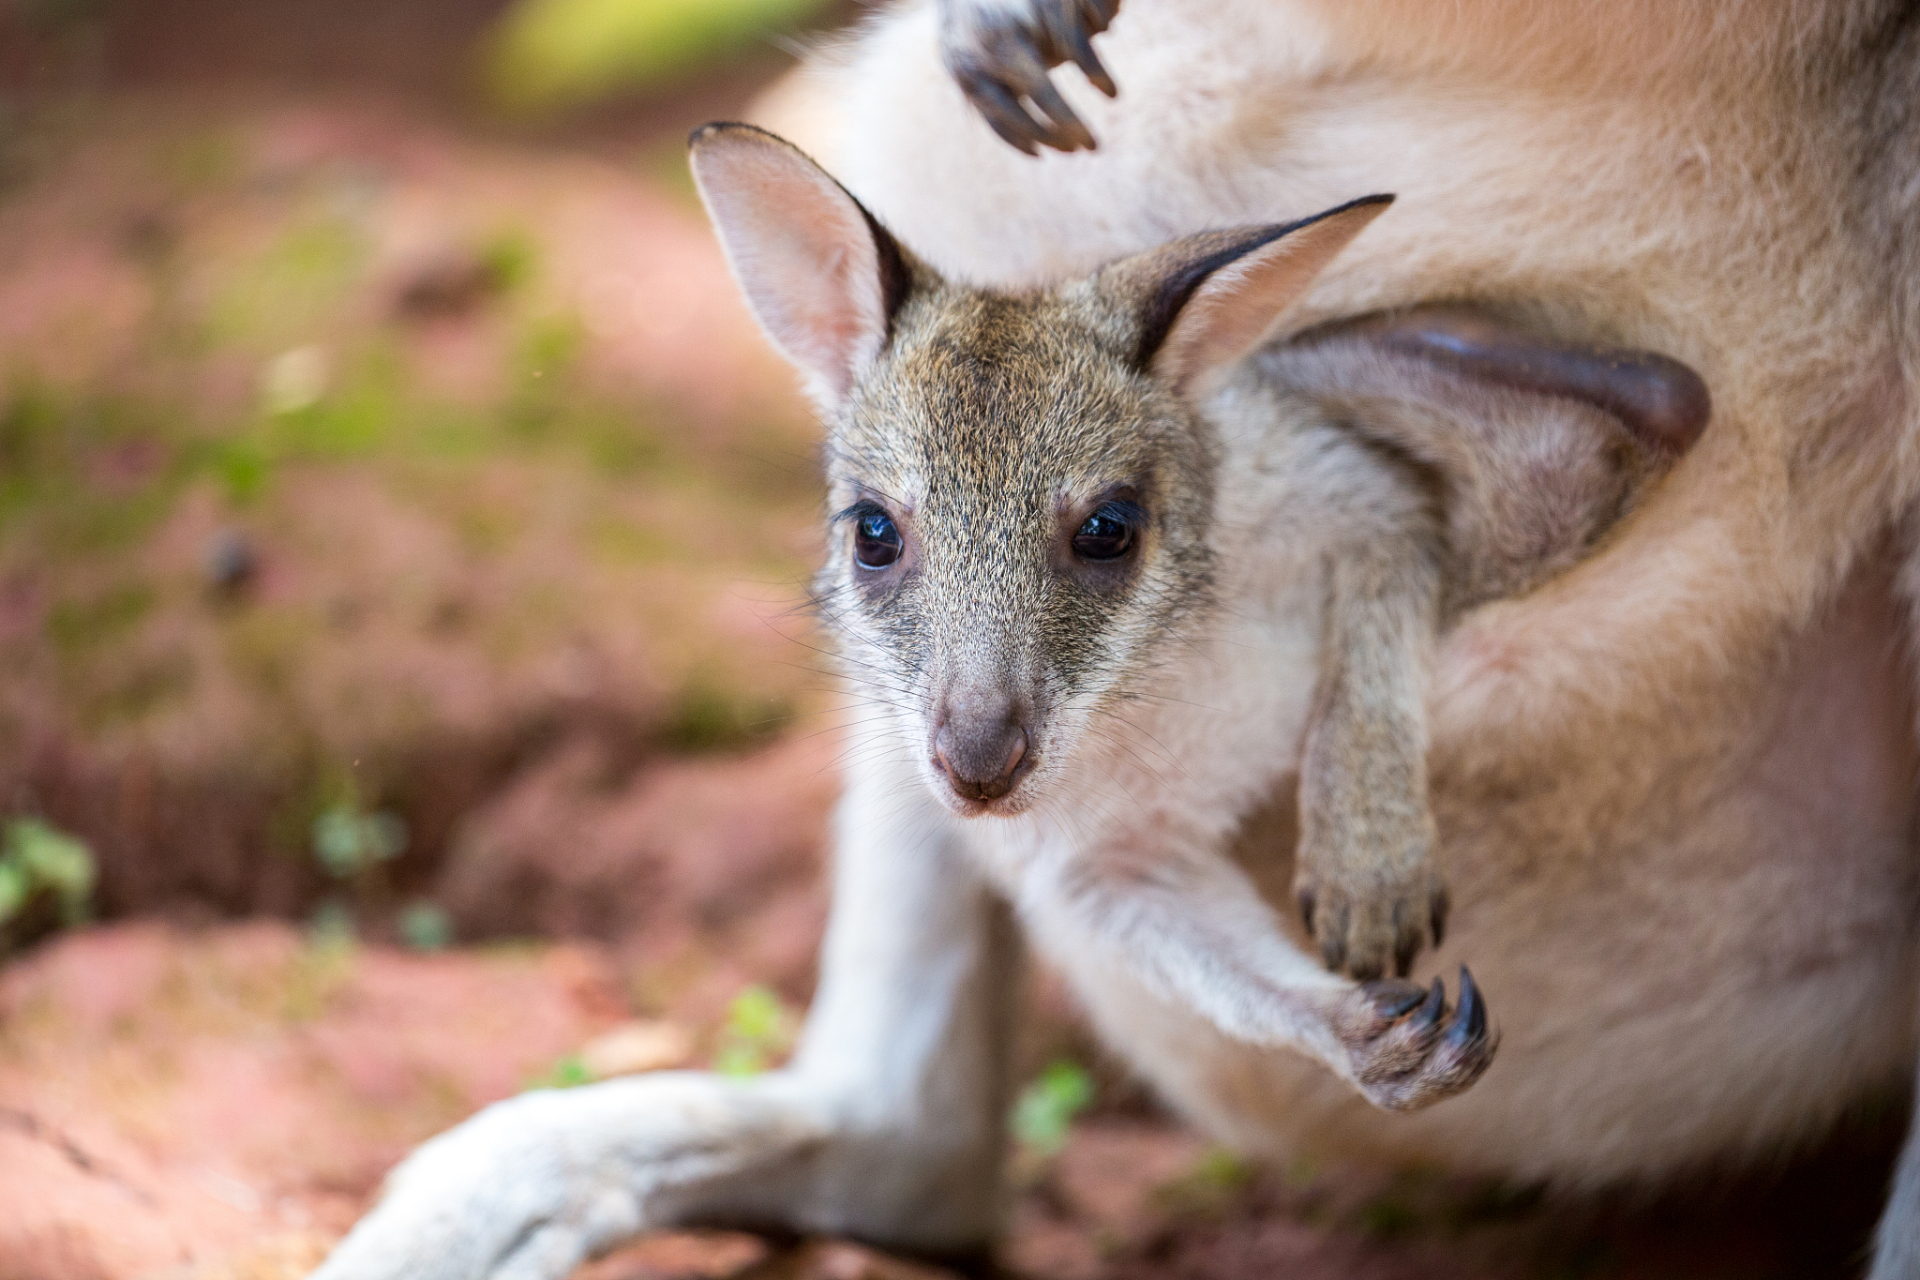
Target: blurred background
point(406, 691)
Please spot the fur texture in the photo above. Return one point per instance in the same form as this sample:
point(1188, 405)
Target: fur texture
point(1672, 784)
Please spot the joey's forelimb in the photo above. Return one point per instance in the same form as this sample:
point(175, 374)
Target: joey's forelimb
point(1001, 52)
point(1369, 890)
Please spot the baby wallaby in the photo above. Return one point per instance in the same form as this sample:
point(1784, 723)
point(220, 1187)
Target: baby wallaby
point(1040, 499)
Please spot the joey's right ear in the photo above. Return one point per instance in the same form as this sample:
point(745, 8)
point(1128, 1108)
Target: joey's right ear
point(823, 278)
point(1202, 302)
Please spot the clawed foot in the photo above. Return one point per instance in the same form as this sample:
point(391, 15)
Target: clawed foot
point(1000, 54)
point(1407, 1049)
point(1361, 932)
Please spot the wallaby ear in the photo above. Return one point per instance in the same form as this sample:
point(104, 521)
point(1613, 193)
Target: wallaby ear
point(823, 278)
point(1662, 404)
point(1206, 300)
point(1536, 445)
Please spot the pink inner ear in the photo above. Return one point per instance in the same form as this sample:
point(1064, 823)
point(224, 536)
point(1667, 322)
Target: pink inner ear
point(1234, 308)
point(802, 250)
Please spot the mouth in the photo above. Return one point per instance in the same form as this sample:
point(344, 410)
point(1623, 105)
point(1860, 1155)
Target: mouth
point(1001, 798)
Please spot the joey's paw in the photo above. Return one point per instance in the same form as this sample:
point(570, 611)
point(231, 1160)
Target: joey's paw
point(1000, 55)
point(1407, 1049)
point(1368, 933)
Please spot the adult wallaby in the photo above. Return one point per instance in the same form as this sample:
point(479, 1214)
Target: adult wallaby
point(1104, 578)
point(1673, 785)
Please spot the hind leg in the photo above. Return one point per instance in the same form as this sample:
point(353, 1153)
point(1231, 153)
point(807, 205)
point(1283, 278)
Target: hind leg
point(887, 1126)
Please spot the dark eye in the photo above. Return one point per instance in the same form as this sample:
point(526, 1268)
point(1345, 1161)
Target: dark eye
point(876, 543)
point(1107, 534)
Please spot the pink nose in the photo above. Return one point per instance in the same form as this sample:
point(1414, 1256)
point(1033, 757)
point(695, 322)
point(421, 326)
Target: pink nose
point(981, 755)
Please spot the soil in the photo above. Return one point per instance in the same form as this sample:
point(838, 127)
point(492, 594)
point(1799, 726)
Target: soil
point(223, 1101)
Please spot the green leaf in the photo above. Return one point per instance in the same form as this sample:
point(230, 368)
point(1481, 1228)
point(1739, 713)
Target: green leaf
point(46, 860)
point(568, 1073)
point(347, 842)
point(1044, 1111)
point(759, 1029)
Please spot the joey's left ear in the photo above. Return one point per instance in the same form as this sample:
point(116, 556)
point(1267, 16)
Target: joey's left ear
point(824, 278)
point(1204, 301)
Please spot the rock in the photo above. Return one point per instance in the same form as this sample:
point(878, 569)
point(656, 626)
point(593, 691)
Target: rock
point(636, 1046)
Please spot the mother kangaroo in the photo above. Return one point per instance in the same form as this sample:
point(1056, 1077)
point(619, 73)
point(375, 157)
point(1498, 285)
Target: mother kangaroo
point(1673, 785)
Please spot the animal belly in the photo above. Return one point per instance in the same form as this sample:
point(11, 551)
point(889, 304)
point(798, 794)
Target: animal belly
point(1695, 932)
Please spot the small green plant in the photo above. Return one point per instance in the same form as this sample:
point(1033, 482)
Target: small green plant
point(40, 863)
point(568, 1073)
point(759, 1029)
point(425, 926)
point(353, 847)
point(348, 843)
point(1044, 1112)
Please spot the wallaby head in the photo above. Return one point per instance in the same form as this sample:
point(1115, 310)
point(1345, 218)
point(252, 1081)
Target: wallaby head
point(1021, 491)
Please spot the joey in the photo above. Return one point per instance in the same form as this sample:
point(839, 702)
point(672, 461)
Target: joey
point(1024, 487)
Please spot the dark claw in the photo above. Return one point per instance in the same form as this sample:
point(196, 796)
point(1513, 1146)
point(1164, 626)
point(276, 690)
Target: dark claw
point(1427, 1016)
point(1440, 905)
point(1066, 133)
point(997, 106)
point(1081, 47)
point(1397, 1000)
point(1074, 26)
point(1470, 1021)
point(1022, 71)
point(1307, 900)
point(1002, 67)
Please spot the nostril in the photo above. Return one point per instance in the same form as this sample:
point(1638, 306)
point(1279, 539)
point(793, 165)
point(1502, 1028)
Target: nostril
point(1019, 752)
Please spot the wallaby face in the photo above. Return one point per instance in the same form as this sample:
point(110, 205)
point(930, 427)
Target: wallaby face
point(1020, 528)
point(1021, 493)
